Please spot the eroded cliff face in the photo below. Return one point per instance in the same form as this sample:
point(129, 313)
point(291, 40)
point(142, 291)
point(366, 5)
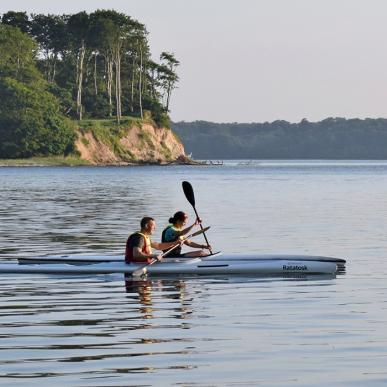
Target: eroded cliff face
point(137, 144)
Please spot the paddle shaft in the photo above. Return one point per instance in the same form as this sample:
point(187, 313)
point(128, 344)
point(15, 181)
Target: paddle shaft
point(204, 234)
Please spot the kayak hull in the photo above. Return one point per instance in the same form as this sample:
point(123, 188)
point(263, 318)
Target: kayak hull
point(75, 259)
point(217, 264)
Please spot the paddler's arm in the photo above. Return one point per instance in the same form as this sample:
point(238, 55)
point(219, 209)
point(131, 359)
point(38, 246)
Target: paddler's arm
point(164, 245)
point(196, 245)
point(140, 256)
point(188, 229)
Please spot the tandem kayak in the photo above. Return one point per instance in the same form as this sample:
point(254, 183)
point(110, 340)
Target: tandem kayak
point(264, 264)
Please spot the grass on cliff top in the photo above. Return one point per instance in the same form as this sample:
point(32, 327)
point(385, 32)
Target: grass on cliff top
point(111, 123)
point(44, 161)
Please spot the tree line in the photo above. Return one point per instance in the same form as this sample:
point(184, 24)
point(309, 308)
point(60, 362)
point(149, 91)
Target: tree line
point(82, 65)
point(102, 61)
point(332, 138)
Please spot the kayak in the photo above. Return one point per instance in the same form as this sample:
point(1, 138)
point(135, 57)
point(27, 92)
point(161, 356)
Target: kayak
point(80, 258)
point(264, 264)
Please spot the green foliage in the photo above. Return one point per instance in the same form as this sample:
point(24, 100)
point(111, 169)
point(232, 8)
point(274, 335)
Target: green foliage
point(332, 138)
point(85, 141)
point(17, 19)
point(113, 46)
point(30, 120)
point(42, 79)
point(157, 113)
point(63, 96)
point(17, 55)
point(45, 161)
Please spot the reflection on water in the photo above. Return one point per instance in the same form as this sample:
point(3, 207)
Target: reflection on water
point(107, 330)
point(142, 289)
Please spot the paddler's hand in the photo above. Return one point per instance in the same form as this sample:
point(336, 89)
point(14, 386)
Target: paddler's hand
point(197, 222)
point(181, 240)
point(159, 257)
point(207, 247)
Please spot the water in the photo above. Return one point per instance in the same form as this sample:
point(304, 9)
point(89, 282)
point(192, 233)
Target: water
point(190, 331)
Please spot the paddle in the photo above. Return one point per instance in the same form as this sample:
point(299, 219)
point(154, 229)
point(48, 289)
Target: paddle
point(189, 194)
point(142, 270)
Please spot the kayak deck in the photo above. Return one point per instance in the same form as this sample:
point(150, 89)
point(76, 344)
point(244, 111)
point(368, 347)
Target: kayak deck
point(213, 264)
point(89, 259)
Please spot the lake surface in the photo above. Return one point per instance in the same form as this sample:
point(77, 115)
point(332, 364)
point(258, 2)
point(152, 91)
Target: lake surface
point(197, 331)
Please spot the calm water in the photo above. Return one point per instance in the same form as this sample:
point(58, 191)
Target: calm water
point(206, 331)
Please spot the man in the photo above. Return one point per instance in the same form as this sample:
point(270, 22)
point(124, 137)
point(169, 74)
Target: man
point(139, 245)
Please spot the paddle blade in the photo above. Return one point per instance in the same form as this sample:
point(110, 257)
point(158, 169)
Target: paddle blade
point(139, 272)
point(199, 232)
point(189, 193)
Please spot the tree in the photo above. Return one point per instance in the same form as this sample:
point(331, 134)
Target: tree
point(78, 28)
point(49, 31)
point(30, 119)
point(169, 76)
point(17, 54)
point(17, 19)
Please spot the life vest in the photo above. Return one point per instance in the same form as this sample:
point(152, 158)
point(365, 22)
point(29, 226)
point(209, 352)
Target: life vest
point(146, 249)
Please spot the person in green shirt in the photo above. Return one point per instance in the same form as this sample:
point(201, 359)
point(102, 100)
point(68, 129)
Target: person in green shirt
point(177, 229)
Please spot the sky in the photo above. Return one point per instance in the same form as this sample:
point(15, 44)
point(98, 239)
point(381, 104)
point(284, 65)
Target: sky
point(261, 60)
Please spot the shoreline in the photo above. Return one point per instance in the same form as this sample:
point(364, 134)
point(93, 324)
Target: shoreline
point(60, 161)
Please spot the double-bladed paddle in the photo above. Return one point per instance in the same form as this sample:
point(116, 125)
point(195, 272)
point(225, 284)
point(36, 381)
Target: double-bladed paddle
point(189, 194)
point(142, 270)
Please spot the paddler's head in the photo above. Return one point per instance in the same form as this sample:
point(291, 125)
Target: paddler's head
point(179, 219)
point(148, 225)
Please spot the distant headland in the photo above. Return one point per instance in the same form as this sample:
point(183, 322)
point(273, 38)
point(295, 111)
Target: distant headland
point(82, 88)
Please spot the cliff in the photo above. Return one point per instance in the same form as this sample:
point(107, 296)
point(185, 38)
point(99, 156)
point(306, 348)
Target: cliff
point(100, 142)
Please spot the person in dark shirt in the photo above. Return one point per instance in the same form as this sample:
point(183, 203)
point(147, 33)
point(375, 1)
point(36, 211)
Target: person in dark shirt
point(176, 230)
point(139, 245)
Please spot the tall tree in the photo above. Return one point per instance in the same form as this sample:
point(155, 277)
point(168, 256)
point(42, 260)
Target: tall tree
point(17, 19)
point(170, 77)
point(50, 32)
point(17, 54)
point(78, 26)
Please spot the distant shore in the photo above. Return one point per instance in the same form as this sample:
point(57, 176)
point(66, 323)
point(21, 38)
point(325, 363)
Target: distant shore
point(71, 161)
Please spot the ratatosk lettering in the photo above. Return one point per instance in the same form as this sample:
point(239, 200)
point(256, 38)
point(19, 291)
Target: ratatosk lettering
point(294, 267)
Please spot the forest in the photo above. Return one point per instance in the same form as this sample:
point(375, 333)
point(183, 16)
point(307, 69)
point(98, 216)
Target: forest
point(56, 69)
point(332, 138)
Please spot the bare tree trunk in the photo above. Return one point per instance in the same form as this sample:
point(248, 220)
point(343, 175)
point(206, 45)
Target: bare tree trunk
point(144, 79)
point(109, 83)
point(153, 84)
point(168, 96)
point(140, 85)
point(54, 69)
point(80, 60)
point(95, 74)
point(132, 86)
point(118, 84)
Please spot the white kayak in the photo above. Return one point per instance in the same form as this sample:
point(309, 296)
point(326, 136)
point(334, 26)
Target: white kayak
point(255, 264)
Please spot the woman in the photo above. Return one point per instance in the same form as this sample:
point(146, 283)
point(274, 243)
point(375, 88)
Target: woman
point(176, 230)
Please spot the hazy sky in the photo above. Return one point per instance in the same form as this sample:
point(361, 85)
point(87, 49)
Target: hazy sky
point(261, 60)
